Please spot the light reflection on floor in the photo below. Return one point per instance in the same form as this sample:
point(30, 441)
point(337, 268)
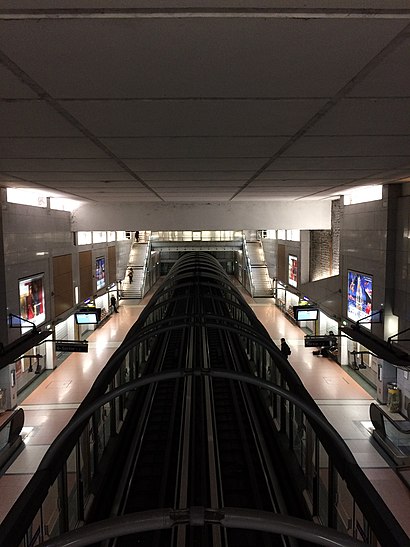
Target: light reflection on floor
point(25, 433)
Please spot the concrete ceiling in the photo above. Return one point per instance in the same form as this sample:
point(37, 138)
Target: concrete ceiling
point(137, 101)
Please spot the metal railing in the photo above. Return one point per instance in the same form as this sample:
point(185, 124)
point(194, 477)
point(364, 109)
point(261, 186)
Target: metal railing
point(249, 285)
point(145, 266)
point(197, 235)
point(336, 491)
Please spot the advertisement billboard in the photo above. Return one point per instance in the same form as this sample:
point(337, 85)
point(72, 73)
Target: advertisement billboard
point(100, 272)
point(359, 296)
point(31, 298)
point(293, 271)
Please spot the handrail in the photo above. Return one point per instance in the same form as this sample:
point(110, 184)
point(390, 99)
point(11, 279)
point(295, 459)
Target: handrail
point(226, 517)
point(360, 488)
point(393, 449)
point(395, 423)
point(47, 468)
point(248, 267)
point(147, 254)
point(187, 235)
point(14, 422)
point(81, 417)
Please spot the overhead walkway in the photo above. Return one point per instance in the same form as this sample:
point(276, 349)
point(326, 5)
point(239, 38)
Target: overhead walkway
point(199, 347)
point(237, 254)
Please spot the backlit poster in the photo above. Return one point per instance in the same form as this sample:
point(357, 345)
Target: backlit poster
point(293, 271)
point(100, 272)
point(31, 297)
point(359, 296)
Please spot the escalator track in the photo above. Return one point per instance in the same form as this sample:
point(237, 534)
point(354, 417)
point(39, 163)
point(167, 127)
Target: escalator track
point(198, 439)
point(199, 446)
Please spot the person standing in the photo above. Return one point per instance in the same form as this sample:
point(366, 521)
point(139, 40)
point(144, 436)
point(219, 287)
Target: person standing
point(113, 301)
point(130, 274)
point(137, 236)
point(284, 348)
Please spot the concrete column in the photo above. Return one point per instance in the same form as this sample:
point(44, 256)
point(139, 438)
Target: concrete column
point(393, 193)
point(3, 299)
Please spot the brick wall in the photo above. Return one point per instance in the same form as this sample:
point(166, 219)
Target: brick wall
point(324, 247)
point(320, 254)
point(337, 211)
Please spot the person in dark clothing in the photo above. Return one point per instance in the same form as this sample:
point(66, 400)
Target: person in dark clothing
point(113, 301)
point(330, 351)
point(137, 236)
point(284, 348)
point(130, 274)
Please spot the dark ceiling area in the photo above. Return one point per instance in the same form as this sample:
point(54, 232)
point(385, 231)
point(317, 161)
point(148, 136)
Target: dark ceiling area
point(120, 102)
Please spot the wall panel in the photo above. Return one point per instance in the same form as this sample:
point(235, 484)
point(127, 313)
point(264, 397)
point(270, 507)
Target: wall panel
point(112, 265)
point(86, 274)
point(282, 263)
point(62, 284)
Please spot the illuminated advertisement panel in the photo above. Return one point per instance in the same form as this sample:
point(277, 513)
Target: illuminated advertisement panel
point(359, 296)
point(100, 272)
point(293, 271)
point(31, 298)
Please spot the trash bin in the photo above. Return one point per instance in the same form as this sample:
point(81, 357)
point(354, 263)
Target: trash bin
point(393, 397)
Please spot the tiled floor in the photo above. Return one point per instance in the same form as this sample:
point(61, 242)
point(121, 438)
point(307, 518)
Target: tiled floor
point(50, 406)
point(345, 403)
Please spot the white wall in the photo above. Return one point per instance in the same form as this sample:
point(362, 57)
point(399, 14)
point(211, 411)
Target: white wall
point(270, 250)
point(204, 216)
point(123, 249)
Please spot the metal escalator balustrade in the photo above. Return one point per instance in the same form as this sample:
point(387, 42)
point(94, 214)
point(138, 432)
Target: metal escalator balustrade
point(239, 422)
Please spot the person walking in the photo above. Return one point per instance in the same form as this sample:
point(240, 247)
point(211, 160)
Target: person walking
point(137, 236)
point(113, 301)
point(284, 348)
point(130, 274)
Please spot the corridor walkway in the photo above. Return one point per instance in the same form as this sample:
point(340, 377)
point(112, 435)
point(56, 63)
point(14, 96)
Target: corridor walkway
point(345, 403)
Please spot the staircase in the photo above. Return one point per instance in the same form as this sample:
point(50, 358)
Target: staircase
point(260, 277)
point(136, 262)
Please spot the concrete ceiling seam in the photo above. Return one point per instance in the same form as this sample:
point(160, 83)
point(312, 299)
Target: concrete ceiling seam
point(204, 104)
point(385, 52)
point(202, 12)
point(54, 104)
